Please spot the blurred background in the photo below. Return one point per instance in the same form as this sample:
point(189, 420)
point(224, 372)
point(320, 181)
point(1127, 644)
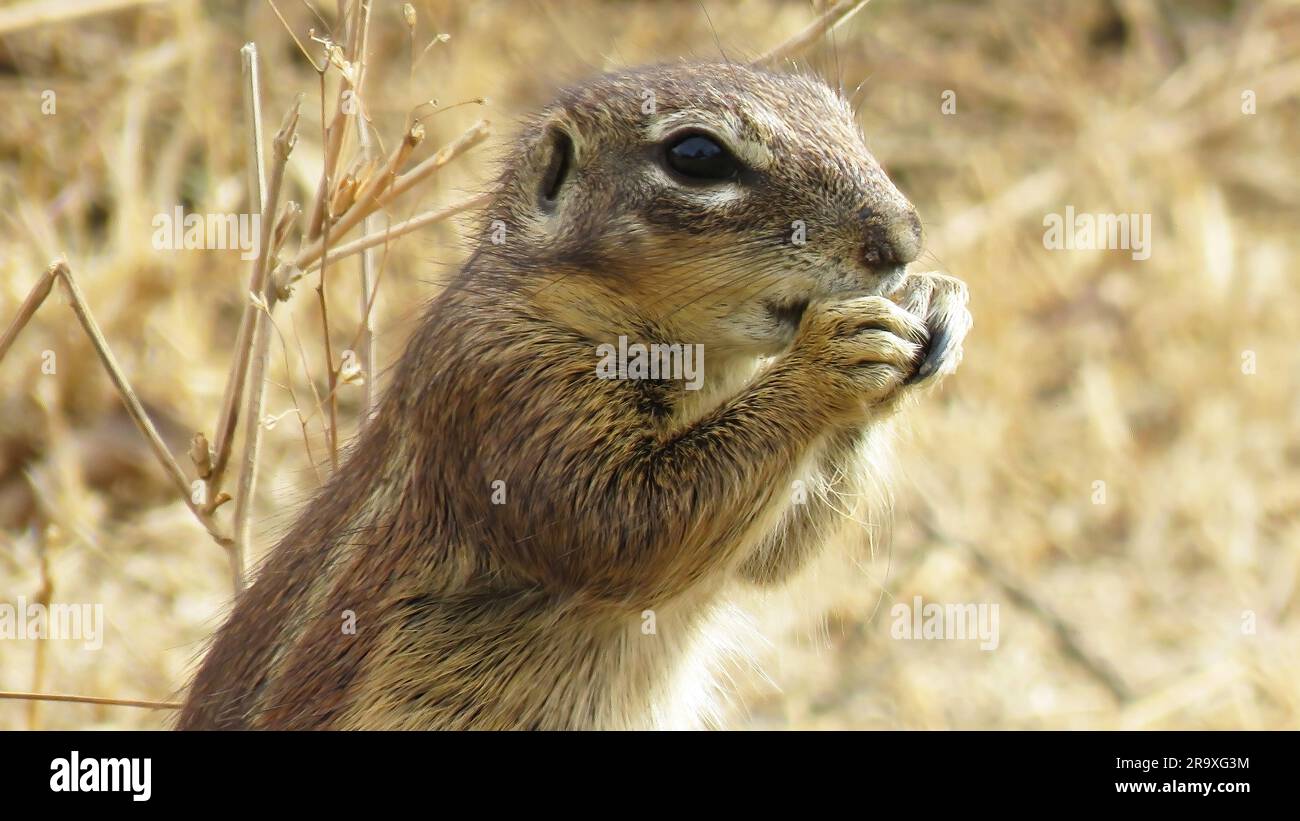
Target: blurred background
point(1115, 465)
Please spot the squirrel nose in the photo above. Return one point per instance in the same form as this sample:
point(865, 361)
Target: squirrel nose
point(891, 241)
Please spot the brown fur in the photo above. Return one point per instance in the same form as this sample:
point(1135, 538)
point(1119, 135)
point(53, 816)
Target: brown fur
point(622, 496)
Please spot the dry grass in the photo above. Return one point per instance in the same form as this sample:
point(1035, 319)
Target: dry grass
point(1084, 366)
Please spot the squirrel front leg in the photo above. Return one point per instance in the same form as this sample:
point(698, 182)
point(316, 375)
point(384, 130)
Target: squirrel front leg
point(827, 502)
point(602, 504)
point(837, 485)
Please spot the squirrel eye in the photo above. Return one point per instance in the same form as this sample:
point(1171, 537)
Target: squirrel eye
point(701, 158)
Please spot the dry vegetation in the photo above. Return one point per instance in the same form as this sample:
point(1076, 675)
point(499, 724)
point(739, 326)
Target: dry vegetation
point(1084, 366)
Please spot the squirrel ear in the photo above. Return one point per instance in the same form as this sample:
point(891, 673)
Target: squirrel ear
point(555, 159)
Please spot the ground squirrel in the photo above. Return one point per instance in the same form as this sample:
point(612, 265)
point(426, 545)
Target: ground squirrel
point(505, 523)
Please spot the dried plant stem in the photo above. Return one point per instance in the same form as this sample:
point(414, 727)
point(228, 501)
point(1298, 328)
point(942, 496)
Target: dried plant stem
point(253, 116)
point(358, 33)
point(326, 190)
point(14, 695)
point(334, 134)
point(472, 137)
point(381, 180)
point(829, 19)
point(399, 229)
point(282, 147)
point(59, 270)
point(132, 402)
point(34, 299)
point(233, 396)
point(333, 376)
point(358, 36)
point(367, 353)
point(293, 395)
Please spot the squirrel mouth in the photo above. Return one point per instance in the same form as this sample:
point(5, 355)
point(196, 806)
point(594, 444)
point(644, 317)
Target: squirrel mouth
point(890, 281)
point(788, 314)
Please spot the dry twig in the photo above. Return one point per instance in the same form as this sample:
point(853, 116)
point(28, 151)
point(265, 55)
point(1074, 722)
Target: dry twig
point(15, 695)
point(829, 19)
point(235, 382)
point(282, 147)
point(476, 134)
point(34, 299)
point(59, 270)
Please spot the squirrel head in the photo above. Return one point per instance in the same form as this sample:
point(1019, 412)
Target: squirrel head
point(704, 203)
